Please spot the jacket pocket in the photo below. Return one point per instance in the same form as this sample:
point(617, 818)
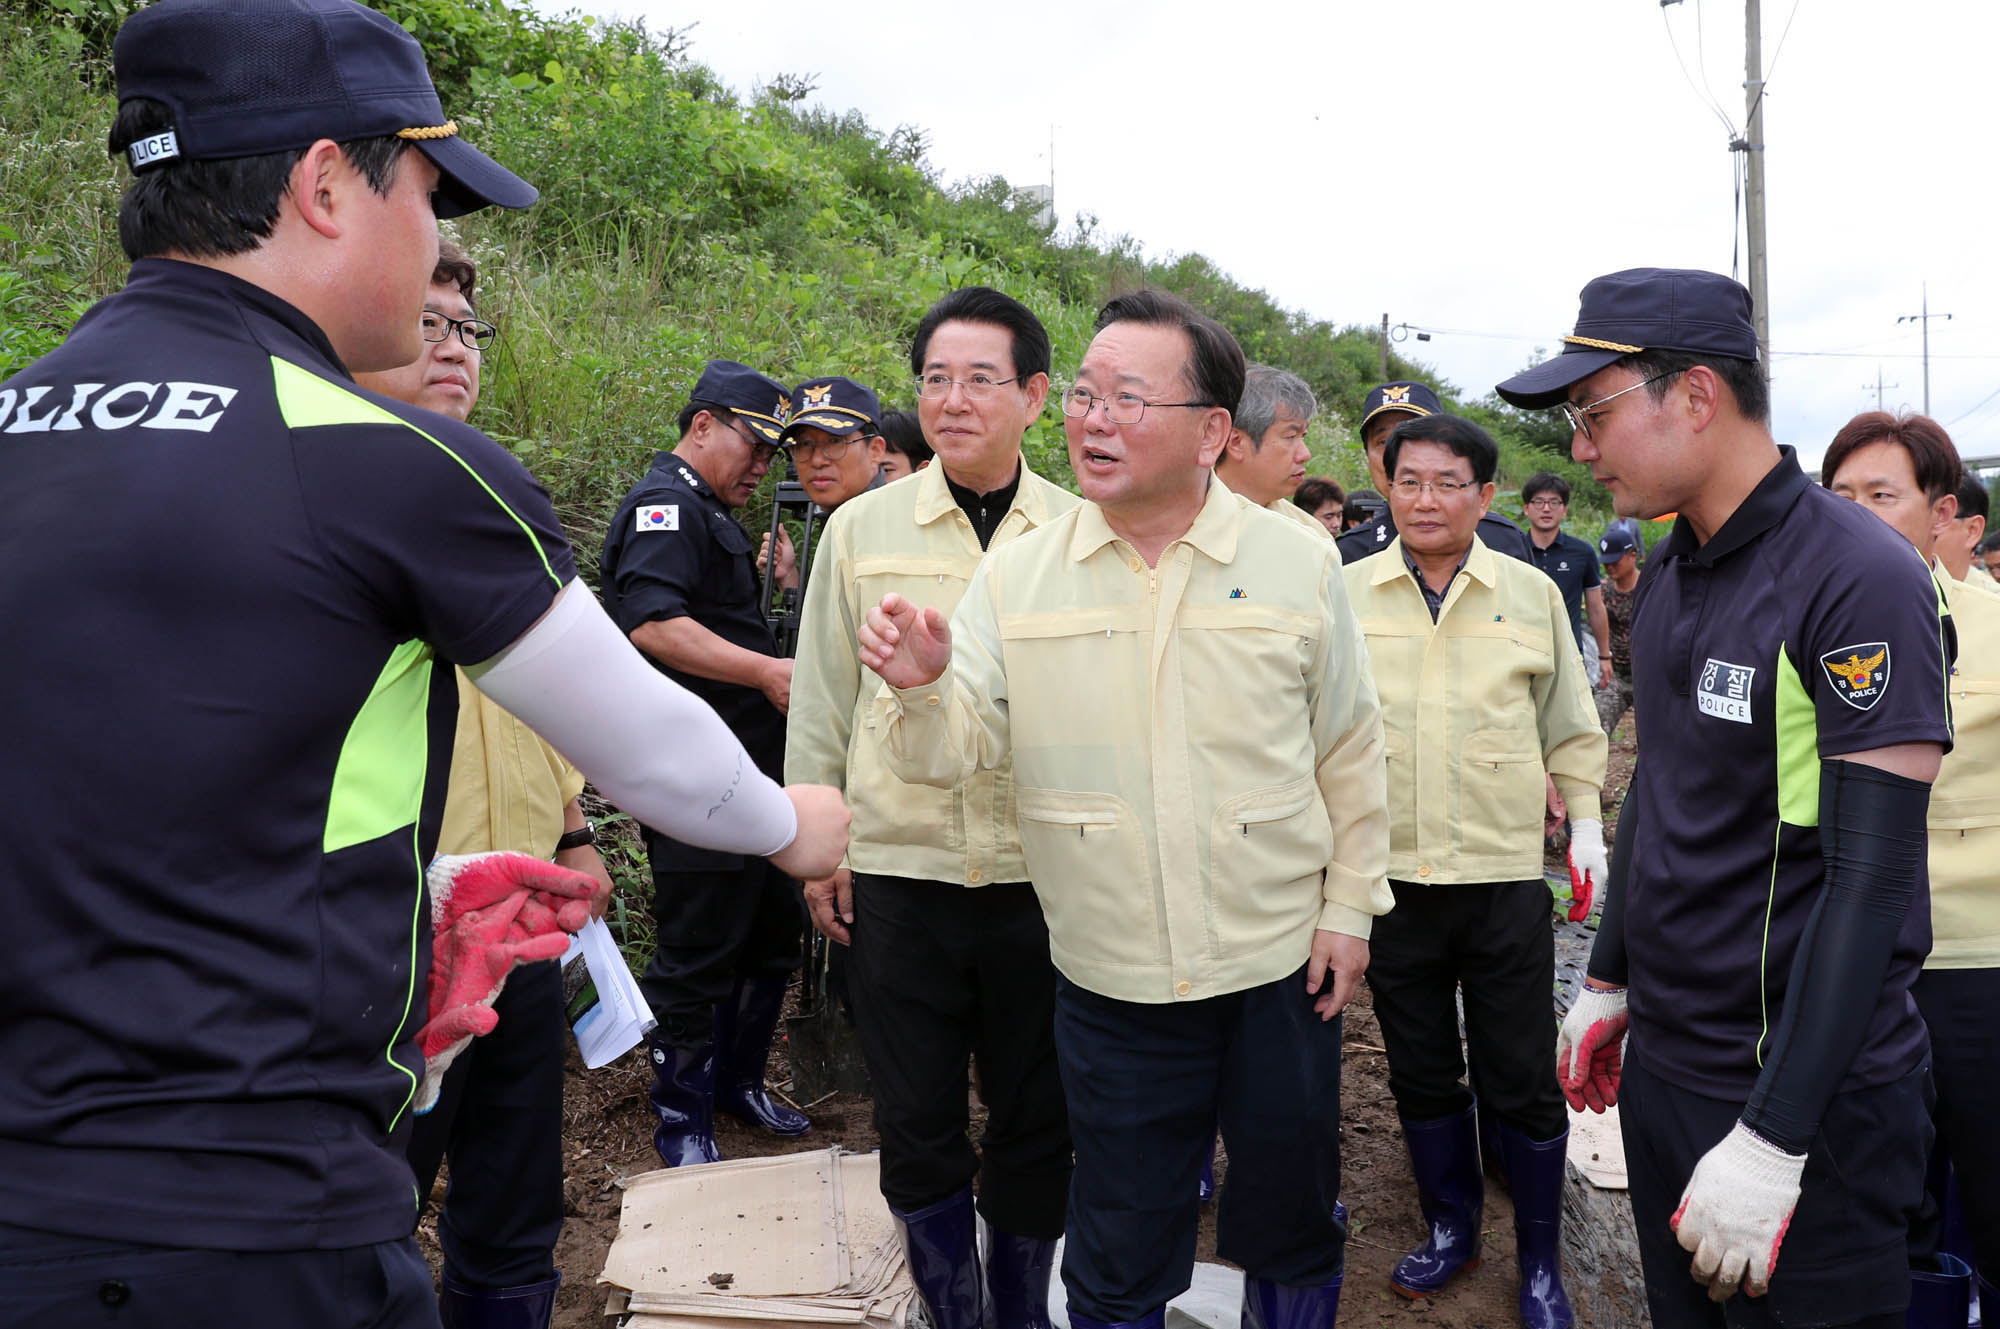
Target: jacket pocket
point(1501, 793)
point(1268, 851)
point(1092, 875)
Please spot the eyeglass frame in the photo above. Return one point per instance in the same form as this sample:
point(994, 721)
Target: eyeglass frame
point(1545, 501)
point(758, 445)
point(1579, 416)
point(459, 325)
point(1092, 401)
point(834, 448)
point(978, 387)
point(1442, 487)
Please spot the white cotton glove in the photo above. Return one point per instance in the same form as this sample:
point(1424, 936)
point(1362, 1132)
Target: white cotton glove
point(1590, 1049)
point(1735, 1210)
point(1588, 865)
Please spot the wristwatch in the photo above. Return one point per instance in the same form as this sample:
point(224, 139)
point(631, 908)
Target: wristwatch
point(585, 834)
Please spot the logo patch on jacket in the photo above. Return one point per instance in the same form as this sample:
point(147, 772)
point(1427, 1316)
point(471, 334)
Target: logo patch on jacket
point(1724, 690)
point(660, 517)
point(1859, 674)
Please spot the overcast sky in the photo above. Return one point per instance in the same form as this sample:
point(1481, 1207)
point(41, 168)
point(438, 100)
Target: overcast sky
point(1467, 165)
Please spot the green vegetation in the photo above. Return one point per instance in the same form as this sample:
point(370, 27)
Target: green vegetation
point(678, 221)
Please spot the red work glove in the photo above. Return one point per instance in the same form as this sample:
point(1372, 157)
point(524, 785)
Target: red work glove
point(489, 912)
point(1588, 865)
point(1590, 1049)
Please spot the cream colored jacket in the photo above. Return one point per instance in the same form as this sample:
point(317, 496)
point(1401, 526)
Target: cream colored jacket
point(1965, 802)
point(1197, 746)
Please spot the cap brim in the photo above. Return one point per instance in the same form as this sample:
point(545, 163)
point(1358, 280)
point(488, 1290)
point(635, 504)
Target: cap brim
point(1547, 384)
point(1401, 406)
point(469, 180)
point(837, 425)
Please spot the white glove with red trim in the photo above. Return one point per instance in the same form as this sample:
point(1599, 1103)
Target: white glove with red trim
point(1588, 865)
point(1735, 1210)
point(1590, 1049)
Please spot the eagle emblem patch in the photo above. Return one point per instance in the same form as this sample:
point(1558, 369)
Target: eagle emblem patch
point(1859, 674)
point(817, 396)
point(1396, 396)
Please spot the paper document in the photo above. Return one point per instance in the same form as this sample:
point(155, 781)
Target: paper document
point(606, 1010)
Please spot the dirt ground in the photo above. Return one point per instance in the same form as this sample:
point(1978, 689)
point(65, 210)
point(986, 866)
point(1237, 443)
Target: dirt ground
point(608, 1135)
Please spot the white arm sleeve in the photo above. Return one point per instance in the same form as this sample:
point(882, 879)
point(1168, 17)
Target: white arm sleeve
point(651, 746)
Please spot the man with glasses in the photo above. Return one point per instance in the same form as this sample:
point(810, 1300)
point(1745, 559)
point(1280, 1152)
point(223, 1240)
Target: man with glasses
point(1571, 565)
point(836, 445)
point(1209, 871)
point(679, 578)
point(1483, 700)
point(1386, 406)
point(1765, 914)
point(949, 954)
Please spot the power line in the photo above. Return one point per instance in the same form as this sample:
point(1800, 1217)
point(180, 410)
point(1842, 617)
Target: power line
point(1706, 99)
point(1975, 410)
point(1775, 54)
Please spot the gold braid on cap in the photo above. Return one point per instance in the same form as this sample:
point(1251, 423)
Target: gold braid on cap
point(1597, 345)
point(446, 130)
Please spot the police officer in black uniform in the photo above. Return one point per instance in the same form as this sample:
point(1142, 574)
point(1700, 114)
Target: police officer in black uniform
point(237, 575)
point(680, 577)
point(1767, 910)
point(1386, 406)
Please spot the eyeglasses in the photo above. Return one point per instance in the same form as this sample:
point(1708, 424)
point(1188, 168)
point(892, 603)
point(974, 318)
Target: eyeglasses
point(1120, 408)
point(1579, 416)
point(476, 333)
point(1442, 488)
point(1543, 501)
point(933, 387)
point(832, 449)
point(761, 450)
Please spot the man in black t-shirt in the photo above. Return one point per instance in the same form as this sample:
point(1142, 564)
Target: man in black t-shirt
point(1571, 564)
point(226, 734)
point(1765, 910)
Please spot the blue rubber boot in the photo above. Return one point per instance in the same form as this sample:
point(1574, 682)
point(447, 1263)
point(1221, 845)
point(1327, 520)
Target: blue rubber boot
point(1940, 1298)
point(1274, 1306)
point(941, 1242)
point(529, 1306)
point(682, 1096)
point(1205, 1188)
point(1444, 1154)
point(1017, 1279)
point(1151, 1320)
point(744, 1028)
point(1986, 1299)
point(1535, 1169)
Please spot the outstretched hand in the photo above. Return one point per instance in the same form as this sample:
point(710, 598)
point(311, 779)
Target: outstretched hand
point(907, 646)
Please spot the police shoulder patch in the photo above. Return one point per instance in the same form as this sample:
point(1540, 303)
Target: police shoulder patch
point(1859, 674)
point(659, 517)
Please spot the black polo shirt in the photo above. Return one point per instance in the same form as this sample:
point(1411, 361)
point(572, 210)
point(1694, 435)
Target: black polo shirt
point(1501, 536)
point(675, 551)
point(1572, 565)
point(1806, 628)
point(233, 572)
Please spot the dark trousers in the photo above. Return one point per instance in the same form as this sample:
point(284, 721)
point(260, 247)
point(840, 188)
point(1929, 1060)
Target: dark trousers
point(1148, 1086)
point(1962, 1008)
point(49, 1281)
point(719, 916)
point(1496, 945)
point(940, 973)
point(499, 1119)
point(1845, 1258)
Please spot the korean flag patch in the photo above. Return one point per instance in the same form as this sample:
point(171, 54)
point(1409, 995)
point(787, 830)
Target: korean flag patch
point(660, 517)
point(1859, 674)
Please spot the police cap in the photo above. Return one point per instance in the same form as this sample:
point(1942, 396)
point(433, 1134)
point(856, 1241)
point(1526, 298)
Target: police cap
point(763, 403)
point(1641, 309)
point(1402, 395)
point(837, 405)
point(244, 78)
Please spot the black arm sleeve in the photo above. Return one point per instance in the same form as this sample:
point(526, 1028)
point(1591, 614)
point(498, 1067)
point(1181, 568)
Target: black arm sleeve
point(1607, 954)
point(1871, 829)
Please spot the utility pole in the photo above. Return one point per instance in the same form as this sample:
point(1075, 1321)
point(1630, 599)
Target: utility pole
point(1382, 352)
point(1752, 147)
point(1879, 386)
point(1923, 321)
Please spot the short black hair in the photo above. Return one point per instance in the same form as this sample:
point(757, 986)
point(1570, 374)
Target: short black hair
point(1545, 482)
point(723, 415)
point(1991, 544)
point(455, 268)
point(1362, 505)
point(211, 209)
point(1744, 377)
point(1463, 437)
point(1972, 496)
point(901, 433)
point(1215, 369)
point(1316, 491)
point(983, 304)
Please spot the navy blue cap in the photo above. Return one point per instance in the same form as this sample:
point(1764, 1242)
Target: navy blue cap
point(837, 405)
point(763, 403)
point(1641, 309)
point(1402, 395)
point(248, 77)
point(1617, 543)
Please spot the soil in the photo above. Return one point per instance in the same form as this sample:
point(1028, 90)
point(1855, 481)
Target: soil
point(607, 1136)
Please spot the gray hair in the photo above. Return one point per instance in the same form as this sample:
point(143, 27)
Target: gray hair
point(1266, 388)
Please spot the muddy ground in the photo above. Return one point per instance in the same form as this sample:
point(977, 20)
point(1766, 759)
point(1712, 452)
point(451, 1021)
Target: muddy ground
point(608, 1135)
